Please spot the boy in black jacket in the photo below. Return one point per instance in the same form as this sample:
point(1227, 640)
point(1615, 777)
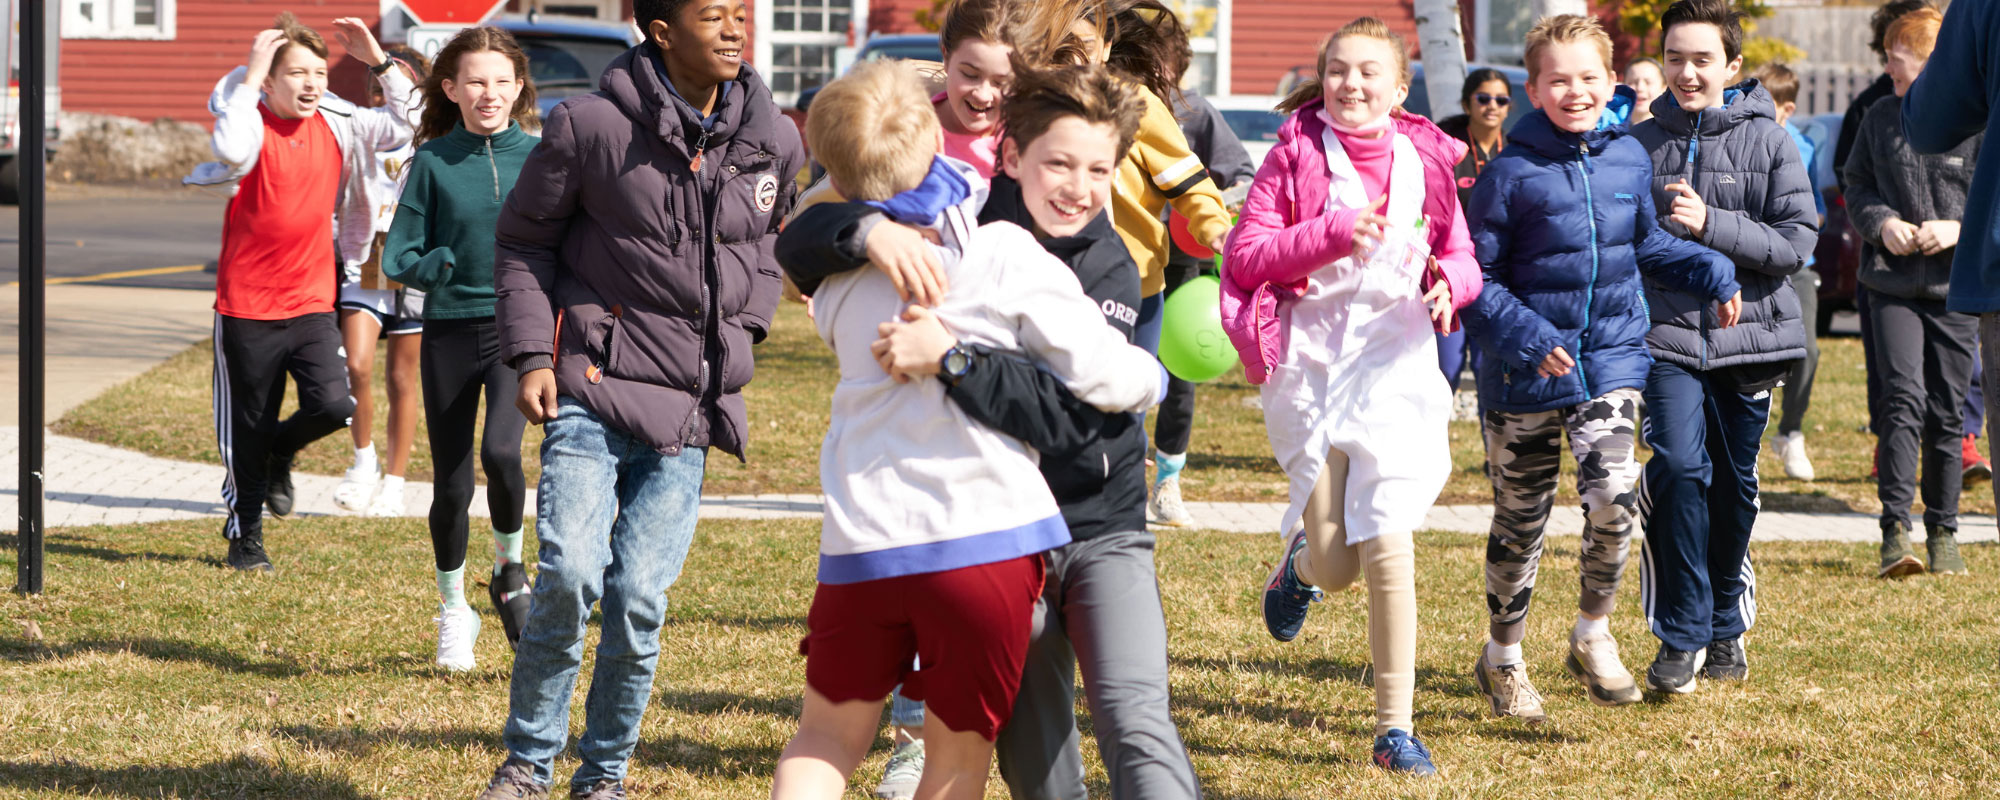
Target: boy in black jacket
point(1102, 585)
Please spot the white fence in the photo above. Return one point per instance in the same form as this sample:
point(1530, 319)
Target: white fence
point(1829, 88)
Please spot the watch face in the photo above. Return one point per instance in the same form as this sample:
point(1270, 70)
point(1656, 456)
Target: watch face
point(956, 362)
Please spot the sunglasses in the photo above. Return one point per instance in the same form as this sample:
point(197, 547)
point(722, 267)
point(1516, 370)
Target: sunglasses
point(1483, 98)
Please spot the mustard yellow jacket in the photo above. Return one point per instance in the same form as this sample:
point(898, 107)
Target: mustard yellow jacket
point(1160, 169)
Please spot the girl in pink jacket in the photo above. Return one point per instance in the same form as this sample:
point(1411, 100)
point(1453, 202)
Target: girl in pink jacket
point(1351, 251)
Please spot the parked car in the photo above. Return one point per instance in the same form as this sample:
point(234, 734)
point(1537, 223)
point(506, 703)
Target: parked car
point(1254, 119)
point(566, 55)
point(1837, 256)
point(920, 46)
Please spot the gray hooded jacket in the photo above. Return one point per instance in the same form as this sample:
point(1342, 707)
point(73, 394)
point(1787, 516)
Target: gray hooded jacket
point(1760, 214)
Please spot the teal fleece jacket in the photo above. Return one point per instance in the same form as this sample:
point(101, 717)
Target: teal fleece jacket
point(442, 238)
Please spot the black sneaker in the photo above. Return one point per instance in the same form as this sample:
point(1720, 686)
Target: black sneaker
point(1726, 661)
point(246, 553)
point(1673, 671)
point(509, 593)
point(278, 493)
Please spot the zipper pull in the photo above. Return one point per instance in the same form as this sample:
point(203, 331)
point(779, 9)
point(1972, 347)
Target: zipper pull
point(700, 147)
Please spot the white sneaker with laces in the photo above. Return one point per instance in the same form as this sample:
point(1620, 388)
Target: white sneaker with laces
point(355, 489)
point(901, 775)
point(458, 630)
point(388, 503)
point(1792, 451)
point(1165, 508)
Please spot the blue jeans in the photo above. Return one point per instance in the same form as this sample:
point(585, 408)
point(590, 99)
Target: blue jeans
point(1698, 502)
point(615, 521)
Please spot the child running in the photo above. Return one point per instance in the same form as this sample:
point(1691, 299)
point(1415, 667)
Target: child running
point(1563, 223)
point(475, 102)
point(374, 308)
point(935, 526)
point(1101, 604)
point(1332, 303)
point(633, 274)
point(1726, 175)
point(301, 156)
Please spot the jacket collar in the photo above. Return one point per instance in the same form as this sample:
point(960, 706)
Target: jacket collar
point(470, 142)
point(1542, 137)
point(1429, 139)
point(637, 88)
point(1740, 104)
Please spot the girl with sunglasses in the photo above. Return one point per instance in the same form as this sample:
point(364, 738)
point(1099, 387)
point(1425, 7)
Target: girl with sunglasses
point(1486, 98)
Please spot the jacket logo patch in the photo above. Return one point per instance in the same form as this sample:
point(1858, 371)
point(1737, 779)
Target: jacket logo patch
point(1726, 179)
point(767, 193)
point(1121, 312)
point(1955, 162)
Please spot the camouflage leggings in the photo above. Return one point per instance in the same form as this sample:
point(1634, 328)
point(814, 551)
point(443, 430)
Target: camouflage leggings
point(1524, 452)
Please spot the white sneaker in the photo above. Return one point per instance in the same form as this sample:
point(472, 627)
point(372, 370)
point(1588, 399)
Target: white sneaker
point(1165, 508)
point(388, 503)
point(458, 629)
point(355, 489)
point(1792, 451)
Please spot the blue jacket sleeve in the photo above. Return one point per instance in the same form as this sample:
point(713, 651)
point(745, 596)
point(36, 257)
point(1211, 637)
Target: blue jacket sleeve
point(1498, 320)
point(1005, 391)
point(1948, 102)
point(1679, 263)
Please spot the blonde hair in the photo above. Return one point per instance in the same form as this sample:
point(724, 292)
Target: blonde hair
point(1917, 30)
point(1566, 29)
point(874, 130)
point(296, 34)
point(1368, 27)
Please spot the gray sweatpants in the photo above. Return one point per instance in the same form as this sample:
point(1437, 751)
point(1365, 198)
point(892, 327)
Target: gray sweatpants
point(1100, 611)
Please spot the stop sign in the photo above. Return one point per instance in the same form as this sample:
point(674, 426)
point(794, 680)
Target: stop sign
point(461, 11)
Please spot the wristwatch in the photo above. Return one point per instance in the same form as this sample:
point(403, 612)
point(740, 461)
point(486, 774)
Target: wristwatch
point(955, 364)
point(383, 67)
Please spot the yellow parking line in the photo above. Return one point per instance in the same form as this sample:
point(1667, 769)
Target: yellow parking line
point(113, 276)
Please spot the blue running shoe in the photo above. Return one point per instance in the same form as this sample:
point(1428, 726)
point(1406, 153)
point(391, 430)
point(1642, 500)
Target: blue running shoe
point(1285, 598)
point(1399, 751)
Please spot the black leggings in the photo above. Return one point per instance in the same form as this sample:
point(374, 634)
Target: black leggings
point(459, 358)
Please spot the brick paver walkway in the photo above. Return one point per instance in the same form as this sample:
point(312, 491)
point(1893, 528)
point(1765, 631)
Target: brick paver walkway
point(94, 484)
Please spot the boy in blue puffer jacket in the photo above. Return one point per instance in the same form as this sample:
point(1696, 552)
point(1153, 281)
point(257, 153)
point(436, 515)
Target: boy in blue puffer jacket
point(1563, 223)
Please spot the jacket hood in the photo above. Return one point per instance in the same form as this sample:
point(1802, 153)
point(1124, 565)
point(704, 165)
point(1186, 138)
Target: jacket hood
point(1740, 104)
point(637, 87)
point(1426, 135)
point(1540, 136)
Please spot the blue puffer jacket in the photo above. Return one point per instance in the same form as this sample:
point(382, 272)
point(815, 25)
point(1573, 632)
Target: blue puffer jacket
point(1563, 224)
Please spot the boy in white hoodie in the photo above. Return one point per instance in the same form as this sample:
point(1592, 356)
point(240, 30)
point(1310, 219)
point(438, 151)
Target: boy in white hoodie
point(935, 525)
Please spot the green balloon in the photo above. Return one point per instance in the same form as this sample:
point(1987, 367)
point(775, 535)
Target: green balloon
point(1192, 344)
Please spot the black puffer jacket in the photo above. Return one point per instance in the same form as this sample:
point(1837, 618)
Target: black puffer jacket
point(1886, 180)
point(1760, 214)
point(646, 281)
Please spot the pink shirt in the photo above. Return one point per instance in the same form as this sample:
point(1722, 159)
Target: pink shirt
point(981, 151)
point(1371, 158)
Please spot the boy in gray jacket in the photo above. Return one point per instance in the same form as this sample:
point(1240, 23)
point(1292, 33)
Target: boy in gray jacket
point(1728, 176)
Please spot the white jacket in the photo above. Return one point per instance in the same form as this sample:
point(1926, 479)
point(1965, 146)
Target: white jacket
point(912, 484)
point(361, 133)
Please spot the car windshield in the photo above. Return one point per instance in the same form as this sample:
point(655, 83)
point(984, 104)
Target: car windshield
point(924, 51)
point(557, 62)
point(1253, 125)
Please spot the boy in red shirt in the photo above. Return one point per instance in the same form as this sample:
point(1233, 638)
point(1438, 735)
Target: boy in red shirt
point(292, 146)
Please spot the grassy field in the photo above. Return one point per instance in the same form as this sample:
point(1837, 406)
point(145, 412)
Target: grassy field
point(150, 671)
point(166, 412)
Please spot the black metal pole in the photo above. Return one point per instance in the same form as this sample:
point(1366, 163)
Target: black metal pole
point(34, 124)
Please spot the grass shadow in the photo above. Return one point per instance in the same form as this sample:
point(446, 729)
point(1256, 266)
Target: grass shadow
point(236, 778)
point(156, 650)
point(1804, 503)
point(698, 757)
point(1429, 679)
point(358, 741)
point(704, 702)
point(1199, 460)
point(69, 545)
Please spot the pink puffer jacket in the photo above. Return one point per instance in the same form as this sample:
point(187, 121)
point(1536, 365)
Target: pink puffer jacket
point(1284, 234)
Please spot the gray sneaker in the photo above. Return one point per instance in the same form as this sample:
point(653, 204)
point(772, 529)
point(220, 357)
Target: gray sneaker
point(1594, 661)
point(1897, 560)
point(514, 780)
point(906, 768)
point(601, 790)
point(1508, 689)
point(1942, 547)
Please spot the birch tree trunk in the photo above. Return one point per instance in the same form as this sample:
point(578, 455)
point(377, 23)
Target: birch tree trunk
point(1443, 43)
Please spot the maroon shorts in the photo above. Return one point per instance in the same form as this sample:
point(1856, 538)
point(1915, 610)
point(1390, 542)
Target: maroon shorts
point(965, 629)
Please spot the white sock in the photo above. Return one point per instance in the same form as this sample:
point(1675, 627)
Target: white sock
point(1586, 627)
point(1500, 655)
point(364, 458)
point(392, 484)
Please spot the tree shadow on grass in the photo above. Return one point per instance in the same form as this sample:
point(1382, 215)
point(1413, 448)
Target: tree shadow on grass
point(756, 623)
point(362, 742)
point(1250, 463)
point(155, 649)
point(704, 758)
point(705, 702)
point(239, 777)
point(1429, 679)
point(1800, 502)
point(68, 545)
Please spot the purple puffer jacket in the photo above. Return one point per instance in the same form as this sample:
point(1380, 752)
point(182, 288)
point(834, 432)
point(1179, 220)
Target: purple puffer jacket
point(645, 285)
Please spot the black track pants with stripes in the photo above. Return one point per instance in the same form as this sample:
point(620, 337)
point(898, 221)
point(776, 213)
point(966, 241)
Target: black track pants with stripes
point(252, 358)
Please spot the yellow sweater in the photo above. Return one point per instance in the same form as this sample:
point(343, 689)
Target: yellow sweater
point(1160, 170)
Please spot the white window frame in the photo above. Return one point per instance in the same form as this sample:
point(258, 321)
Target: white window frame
point(768, 37)
point(1216, 43)
point(1484, 49)
point(116, 20)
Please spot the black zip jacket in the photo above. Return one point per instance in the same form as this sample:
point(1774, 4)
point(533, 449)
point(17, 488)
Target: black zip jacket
point(1094, 461)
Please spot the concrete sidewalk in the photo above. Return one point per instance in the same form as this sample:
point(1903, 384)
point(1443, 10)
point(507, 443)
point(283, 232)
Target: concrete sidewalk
point(93, 484)
point(97, 338)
